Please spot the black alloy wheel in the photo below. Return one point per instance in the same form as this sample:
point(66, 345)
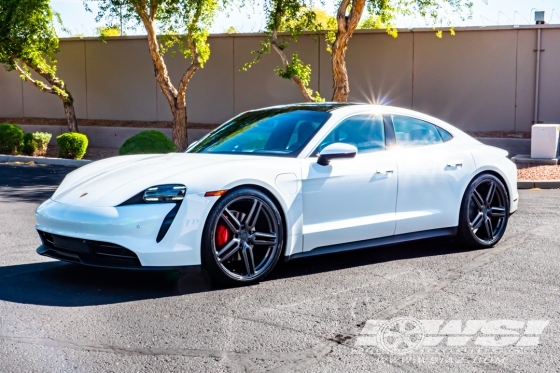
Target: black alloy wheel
point(243, 238)
point(484, 212)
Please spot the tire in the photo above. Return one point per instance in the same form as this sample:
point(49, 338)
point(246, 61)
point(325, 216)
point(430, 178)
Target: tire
point(243, 238)
point(484, 212)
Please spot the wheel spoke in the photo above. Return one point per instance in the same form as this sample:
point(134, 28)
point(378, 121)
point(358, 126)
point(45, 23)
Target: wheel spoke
point(251, 219)
point(231, 221)
point(491, 193)
point(248, 259)
point(259, 238)
point(477, 198)
point(497, 212)
point(231, 248)
point(489, 229)
point(477, 222)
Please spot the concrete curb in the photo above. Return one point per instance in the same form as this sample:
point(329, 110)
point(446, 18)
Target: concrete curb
point(42, 160)
point(543, 184)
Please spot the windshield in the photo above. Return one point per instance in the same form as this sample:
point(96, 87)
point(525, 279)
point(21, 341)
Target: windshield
point(279, 132)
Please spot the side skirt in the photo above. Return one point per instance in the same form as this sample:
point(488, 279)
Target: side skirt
point(383, 241)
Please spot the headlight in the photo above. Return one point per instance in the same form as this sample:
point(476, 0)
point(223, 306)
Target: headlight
point(165, 193)
point(171, 193)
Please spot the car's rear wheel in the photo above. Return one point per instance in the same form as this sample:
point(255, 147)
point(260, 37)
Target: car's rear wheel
point(242, 238)
point(484, 212)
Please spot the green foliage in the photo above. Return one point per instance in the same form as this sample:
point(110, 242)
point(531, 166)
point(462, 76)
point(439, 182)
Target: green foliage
point(231, 30)
point(323, 20)
point(292, 17)
point(28, 41)
point(148, 142)
point(27, 33)
point(11, 139)
point(28, 144)
point(36, 143)
point(182, 23)
point(108, 31)
point(302, 71)
point(72, 145)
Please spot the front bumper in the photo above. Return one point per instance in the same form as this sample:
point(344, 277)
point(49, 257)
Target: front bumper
point(130, 230)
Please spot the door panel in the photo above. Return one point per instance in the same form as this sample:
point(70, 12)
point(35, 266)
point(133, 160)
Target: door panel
point(432, 180)
point(348, 200)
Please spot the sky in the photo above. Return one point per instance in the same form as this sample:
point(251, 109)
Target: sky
point(495, 12)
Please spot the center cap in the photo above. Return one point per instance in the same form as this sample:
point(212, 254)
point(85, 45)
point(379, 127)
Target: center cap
point(244, 236)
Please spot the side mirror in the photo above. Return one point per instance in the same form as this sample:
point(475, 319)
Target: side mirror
point(336, 150)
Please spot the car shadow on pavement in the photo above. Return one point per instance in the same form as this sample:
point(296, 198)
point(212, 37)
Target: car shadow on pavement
point(357, 258)
point(71, 285)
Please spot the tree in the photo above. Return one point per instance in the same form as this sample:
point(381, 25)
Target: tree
point(183, 24)
point(383, 12)
point(28, 42)
point(108, 31)
point(292, 17)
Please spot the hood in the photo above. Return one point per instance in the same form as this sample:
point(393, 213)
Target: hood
point(112, 181)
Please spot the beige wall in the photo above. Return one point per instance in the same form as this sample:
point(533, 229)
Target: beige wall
point(480, 79)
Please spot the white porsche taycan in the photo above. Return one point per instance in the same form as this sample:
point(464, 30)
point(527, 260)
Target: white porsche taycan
point(283, 182)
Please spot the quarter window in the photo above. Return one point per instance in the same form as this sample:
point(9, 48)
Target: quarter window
point(415, 132)
point(366, 132)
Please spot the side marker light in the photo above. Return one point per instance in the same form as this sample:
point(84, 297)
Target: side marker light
point(215, 193)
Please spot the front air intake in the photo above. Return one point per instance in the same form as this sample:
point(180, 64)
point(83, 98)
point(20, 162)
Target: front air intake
point(96, 253)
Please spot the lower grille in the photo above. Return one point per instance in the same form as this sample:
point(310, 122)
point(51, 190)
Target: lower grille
point(89, 252)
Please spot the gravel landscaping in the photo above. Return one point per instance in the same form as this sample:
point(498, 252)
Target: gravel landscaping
point(528, 172)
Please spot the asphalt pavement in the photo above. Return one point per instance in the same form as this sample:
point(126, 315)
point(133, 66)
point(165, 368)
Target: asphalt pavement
point(310, 315)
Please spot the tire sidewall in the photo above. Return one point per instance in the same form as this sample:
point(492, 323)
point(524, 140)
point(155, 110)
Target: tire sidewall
point(208, 259)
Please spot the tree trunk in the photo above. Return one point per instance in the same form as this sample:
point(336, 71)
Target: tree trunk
point(70, 116)
point(346, 25)
point(179, 131)
point(341, 86)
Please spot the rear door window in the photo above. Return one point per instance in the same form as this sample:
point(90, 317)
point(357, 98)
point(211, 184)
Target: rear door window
point(415, 132)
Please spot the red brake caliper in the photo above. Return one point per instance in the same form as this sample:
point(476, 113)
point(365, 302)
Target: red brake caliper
point(222, 235)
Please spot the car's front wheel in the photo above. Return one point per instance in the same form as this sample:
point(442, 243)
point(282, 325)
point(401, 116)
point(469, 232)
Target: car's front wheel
point(242, 238)
point(484, 212)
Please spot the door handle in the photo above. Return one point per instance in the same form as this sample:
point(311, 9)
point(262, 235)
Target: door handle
point(458, 163)
point(384, 171)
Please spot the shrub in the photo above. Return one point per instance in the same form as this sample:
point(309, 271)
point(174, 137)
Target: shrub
point(72, 145)
point(11, 139)
point(29, 146)
point(41, 140)
point(36, 143)
point(148, 142)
